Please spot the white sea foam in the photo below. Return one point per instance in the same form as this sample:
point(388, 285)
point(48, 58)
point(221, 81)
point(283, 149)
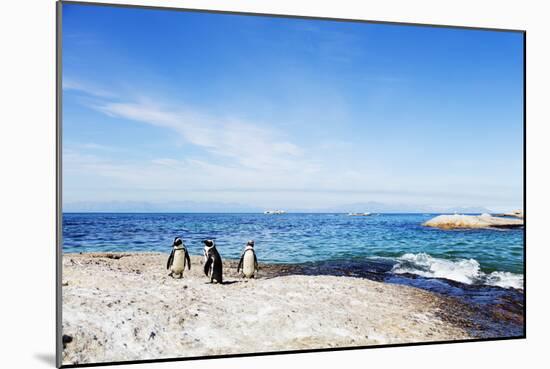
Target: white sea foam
point(464, 270)
point(505, 279)
point(461, 270)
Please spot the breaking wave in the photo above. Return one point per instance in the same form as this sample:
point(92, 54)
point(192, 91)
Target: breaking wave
point(466, 271)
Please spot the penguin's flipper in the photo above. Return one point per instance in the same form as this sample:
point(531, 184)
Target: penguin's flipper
point(170, 259)
point(188, 260)
point(240, 263)
point(255, 262)
point(207, 266)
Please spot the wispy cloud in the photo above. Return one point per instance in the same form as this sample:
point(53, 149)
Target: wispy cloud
point(87, 88)
point(167, 179)
point(241, 160)
point(247, 144)
point(232, 153)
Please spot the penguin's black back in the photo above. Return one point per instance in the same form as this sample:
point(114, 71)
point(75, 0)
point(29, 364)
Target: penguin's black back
point(217, 265)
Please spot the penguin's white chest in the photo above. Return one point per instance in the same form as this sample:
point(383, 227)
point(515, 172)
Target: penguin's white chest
point(248, 263)
point(179, 262)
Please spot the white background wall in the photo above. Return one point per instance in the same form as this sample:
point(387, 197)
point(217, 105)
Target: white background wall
point(27, 203)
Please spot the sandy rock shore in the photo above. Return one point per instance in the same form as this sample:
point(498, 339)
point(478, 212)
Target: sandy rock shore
point(120, 307)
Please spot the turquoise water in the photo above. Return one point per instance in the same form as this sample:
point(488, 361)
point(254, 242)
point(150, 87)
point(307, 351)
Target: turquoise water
point(491, 257)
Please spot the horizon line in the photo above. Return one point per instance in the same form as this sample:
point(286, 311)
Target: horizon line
point(257, 212)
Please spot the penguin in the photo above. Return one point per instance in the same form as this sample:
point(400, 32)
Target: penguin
point(248, 262)
point(178, 258)
point(212, 261)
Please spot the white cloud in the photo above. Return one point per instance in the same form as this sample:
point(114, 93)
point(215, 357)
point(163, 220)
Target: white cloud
point(94, 178)
point(244, 162)
point(246, 144)
point(87, 88)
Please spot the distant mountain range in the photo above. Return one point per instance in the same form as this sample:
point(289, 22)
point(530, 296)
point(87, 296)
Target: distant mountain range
point(218, 207)
point(378, 207)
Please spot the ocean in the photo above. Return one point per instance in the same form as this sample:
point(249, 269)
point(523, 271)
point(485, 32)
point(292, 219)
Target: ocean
point(482, 267)
point(493, 257)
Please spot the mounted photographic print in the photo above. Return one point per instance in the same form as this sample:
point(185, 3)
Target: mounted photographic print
point(237, 184)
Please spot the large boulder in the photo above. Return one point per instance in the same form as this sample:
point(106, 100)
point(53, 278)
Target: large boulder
point(458, 221)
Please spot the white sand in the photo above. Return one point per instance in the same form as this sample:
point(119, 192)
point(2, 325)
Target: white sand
point(129, 309)
point(472, 221)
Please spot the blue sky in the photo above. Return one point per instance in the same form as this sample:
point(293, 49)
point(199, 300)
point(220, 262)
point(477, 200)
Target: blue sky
point(163, 106)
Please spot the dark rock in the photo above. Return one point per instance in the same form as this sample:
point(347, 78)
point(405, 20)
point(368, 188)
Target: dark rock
point(66, 339)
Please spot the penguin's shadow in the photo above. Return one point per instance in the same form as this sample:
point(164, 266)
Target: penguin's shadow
point(224, 282)
point(266, 278)
point(230, 282)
